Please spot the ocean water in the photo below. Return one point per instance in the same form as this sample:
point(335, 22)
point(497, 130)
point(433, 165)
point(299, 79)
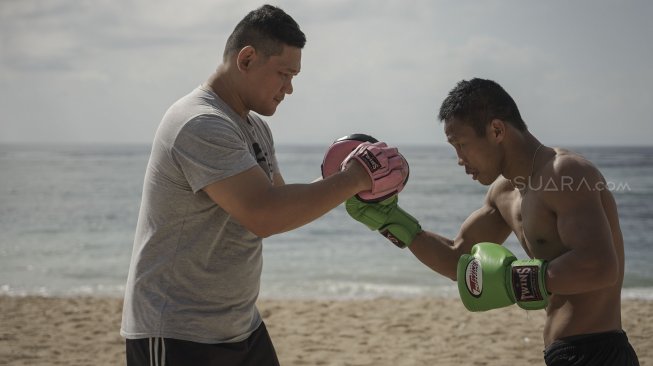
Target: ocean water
point(68, 214)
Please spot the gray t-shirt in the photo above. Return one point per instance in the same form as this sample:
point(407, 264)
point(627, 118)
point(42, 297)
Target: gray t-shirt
point(195, 271)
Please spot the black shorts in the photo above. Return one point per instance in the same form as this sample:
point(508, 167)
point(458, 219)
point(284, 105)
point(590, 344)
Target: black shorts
point(255, 350)
point(610, 348)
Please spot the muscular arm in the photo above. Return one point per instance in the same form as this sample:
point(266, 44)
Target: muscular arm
point(441, 254)
point(266, 208)
point(591, 261)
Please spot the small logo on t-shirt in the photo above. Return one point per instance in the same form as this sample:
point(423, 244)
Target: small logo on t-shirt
point(261, 158)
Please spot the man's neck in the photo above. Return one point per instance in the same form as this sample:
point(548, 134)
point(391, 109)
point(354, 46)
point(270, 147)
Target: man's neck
point(520, 159)
point(222, 84)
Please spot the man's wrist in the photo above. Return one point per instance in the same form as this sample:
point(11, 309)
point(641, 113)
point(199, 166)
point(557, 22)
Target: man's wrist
point(362, 180)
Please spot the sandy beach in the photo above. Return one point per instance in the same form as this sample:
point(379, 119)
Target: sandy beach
point(84, 331)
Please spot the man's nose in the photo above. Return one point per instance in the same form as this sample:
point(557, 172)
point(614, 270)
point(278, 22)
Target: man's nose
point(288, 89)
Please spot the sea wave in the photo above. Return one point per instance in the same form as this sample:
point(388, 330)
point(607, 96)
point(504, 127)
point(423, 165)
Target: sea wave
point(319, 290)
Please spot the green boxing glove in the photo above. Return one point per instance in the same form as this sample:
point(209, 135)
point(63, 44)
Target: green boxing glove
point(387, 217)
point(492, 277)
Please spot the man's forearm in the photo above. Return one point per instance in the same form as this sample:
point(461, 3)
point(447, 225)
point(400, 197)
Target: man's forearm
point(291, 206)
point(578, 272)
point(436, 252)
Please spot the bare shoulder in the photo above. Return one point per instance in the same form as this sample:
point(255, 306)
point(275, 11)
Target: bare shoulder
point(568, 179)
point(500, 191)
point(565, 157)
point(569, 166)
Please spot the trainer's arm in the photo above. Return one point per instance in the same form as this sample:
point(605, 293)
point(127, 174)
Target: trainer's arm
point(266, 208)
point(441, 254)
point(591, 261)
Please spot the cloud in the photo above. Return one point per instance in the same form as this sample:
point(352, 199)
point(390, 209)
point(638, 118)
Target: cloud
point(381, 67)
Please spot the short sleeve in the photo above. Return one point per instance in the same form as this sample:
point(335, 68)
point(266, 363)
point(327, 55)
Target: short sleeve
point(208, 149)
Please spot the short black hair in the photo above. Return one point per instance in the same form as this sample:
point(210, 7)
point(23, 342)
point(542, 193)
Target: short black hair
point(266, 29)
point(479, 101)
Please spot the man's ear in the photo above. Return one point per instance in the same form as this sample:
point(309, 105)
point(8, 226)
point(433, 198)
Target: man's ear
point(496, 130)
point(245, 57)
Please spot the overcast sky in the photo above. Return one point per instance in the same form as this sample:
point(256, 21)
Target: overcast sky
point(95, 71)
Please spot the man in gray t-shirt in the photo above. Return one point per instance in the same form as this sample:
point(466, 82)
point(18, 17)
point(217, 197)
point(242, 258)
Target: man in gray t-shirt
point(212, 191)
point(191, 258)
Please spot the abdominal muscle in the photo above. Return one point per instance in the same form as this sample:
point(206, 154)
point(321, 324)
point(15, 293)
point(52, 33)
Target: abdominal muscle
point(588, 312)
point(567, 315)
point(585, 313)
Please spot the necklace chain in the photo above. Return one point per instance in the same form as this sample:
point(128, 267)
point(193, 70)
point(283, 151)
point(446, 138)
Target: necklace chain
point(532, 169)
point(533, 163)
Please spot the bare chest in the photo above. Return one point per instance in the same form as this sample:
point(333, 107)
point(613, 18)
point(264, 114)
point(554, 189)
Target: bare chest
point(533, 223)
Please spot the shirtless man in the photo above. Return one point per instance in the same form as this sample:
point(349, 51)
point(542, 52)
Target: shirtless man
point(557, 204)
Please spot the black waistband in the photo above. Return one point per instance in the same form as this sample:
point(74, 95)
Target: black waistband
point(589, 338)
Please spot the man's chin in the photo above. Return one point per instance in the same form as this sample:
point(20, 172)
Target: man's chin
point(486, 181)
point(267, 112)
